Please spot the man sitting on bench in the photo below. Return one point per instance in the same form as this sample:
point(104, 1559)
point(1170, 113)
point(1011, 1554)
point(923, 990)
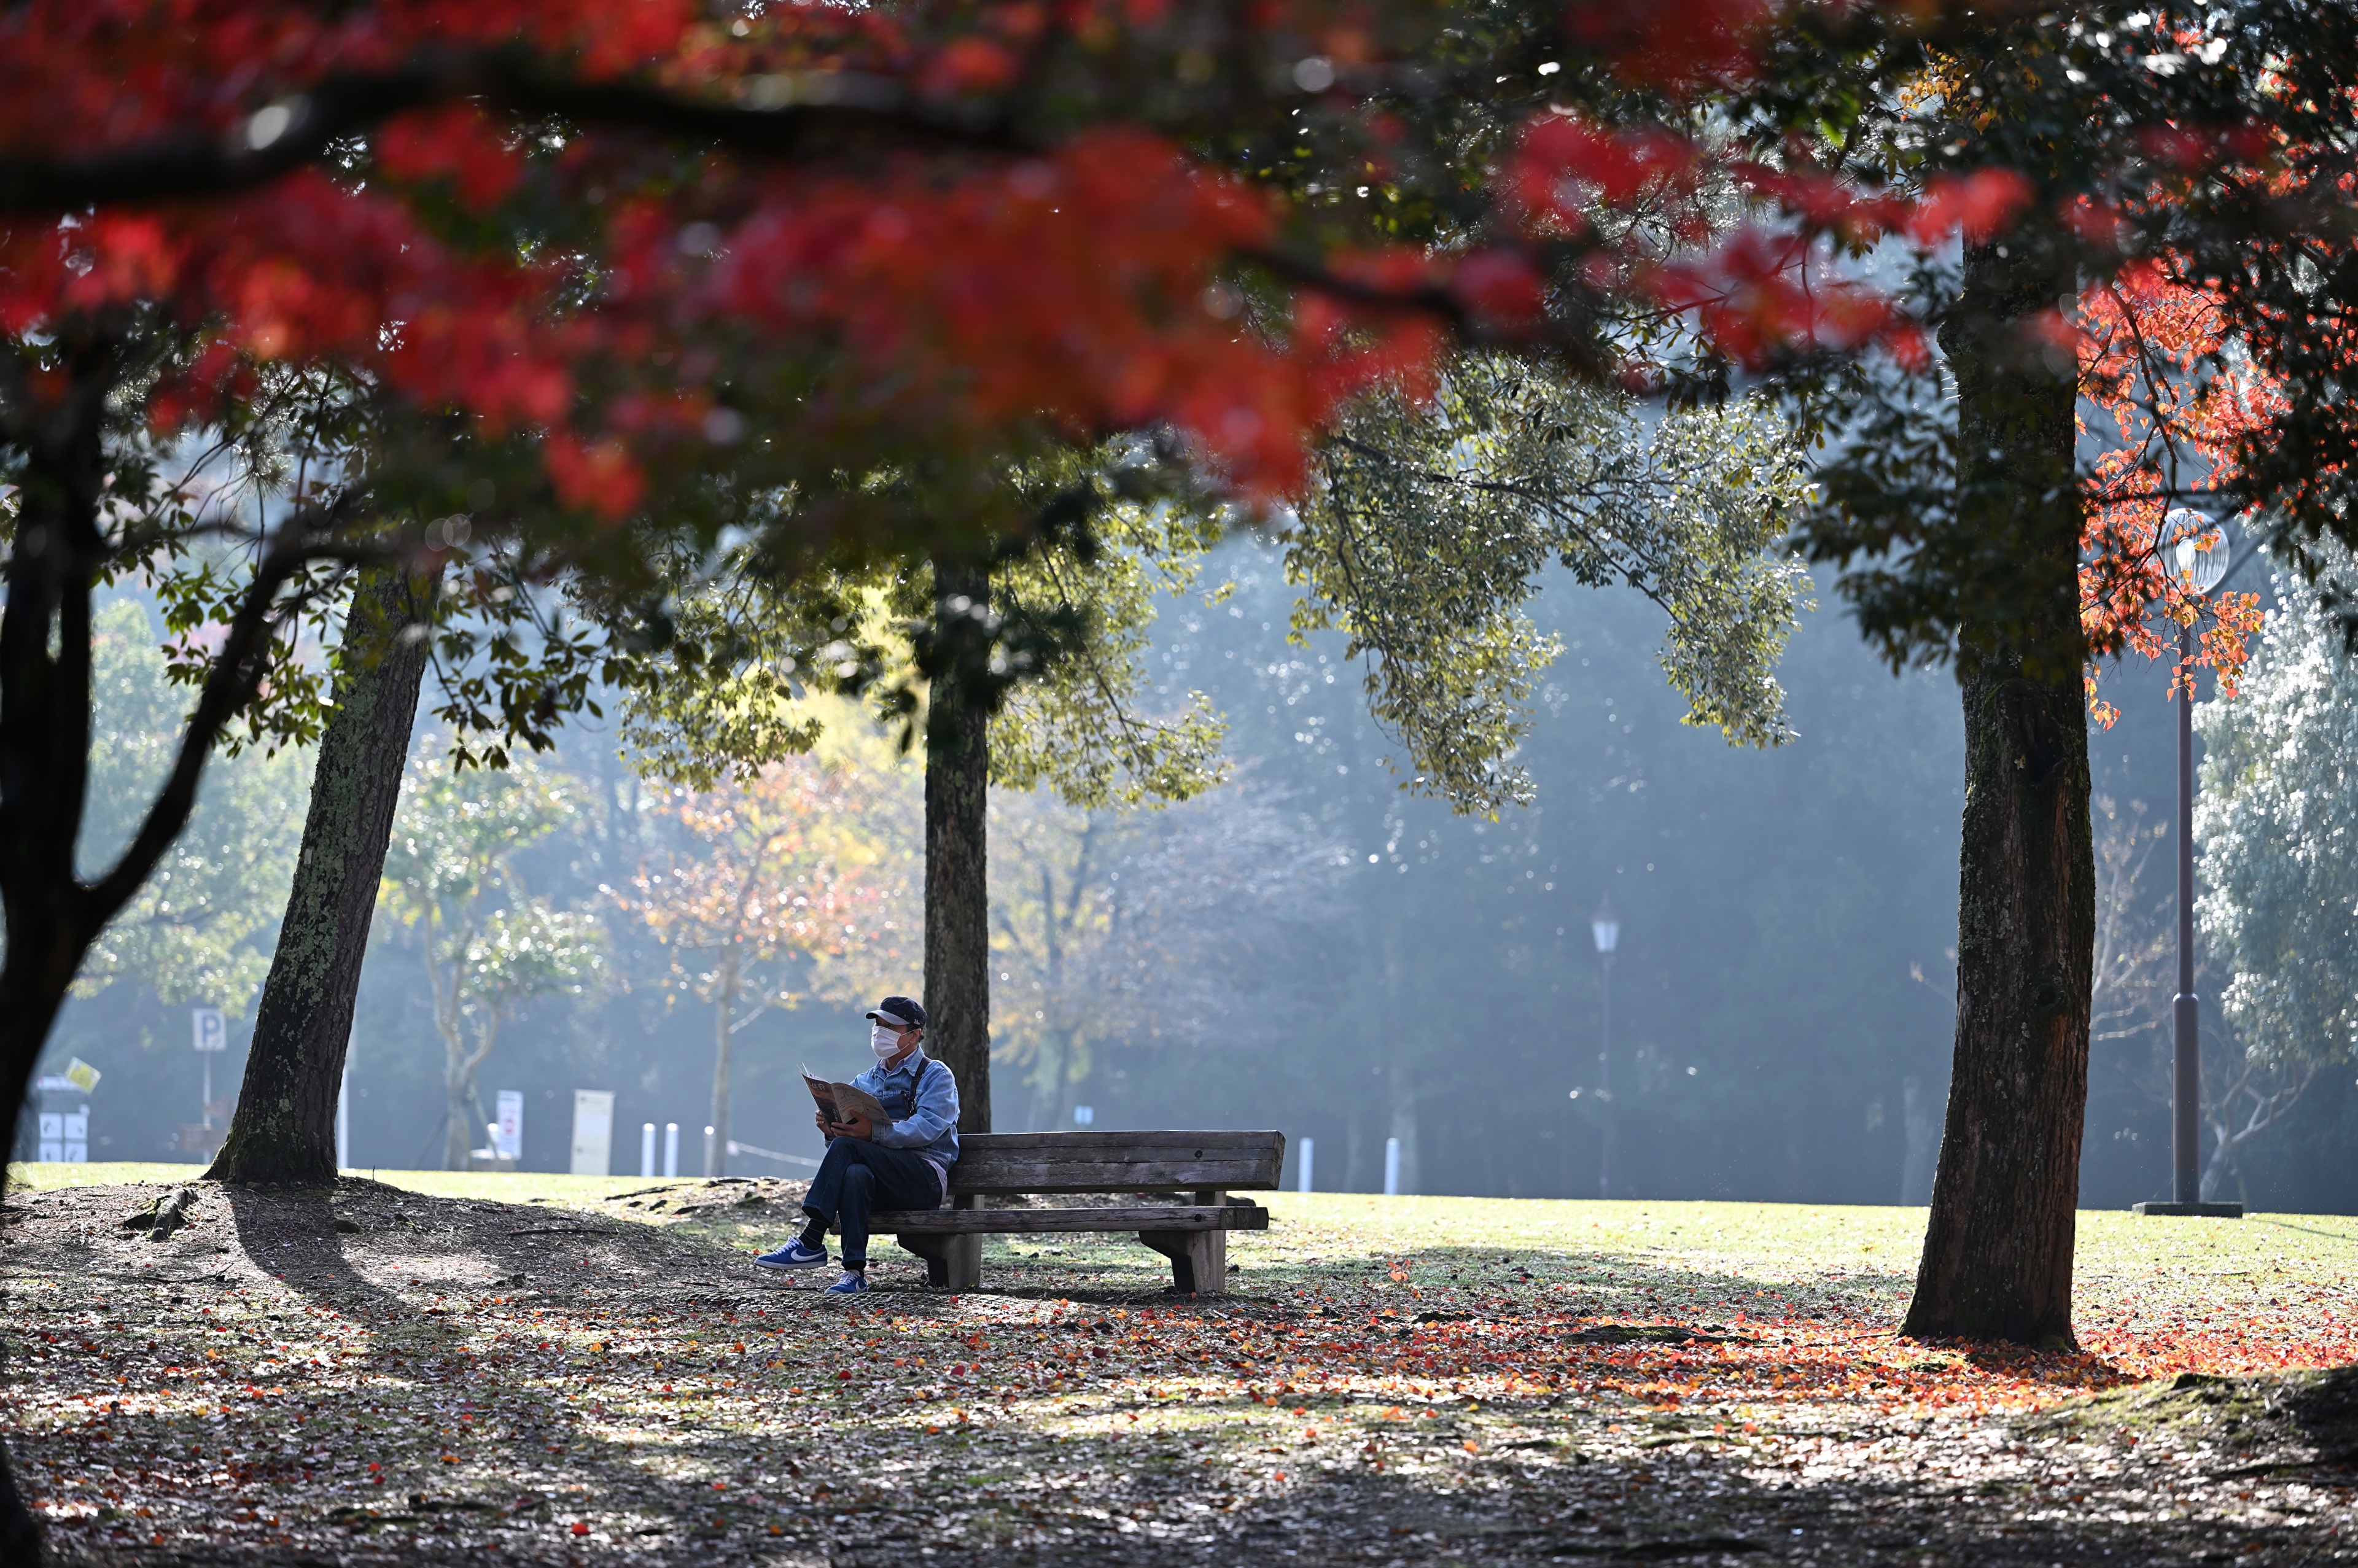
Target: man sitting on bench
point(903, 1166)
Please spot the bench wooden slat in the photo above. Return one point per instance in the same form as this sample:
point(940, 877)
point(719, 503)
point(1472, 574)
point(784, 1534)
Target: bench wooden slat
point(1115, 1144)
point(1162, 1161)
point(1174, 1176)
point(1033, 1221)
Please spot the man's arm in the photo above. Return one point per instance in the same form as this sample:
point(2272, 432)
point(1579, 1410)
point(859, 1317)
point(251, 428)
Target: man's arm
point(936, 1113)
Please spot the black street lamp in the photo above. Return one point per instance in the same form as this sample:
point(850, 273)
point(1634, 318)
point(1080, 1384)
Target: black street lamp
point(2200, 553)
point(1605, 927)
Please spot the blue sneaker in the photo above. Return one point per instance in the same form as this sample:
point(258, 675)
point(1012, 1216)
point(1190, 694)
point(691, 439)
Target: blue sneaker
point(853, 1284)
point(794, 1254)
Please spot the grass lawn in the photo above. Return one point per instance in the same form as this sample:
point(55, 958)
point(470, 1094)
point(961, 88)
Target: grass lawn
point(555, 1369)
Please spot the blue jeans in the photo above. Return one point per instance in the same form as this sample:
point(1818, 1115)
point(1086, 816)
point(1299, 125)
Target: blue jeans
point(857, 1176)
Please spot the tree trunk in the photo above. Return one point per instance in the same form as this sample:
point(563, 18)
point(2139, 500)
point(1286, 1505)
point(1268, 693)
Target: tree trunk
point(466, 1104)
point(716, 1159)
point(284, 1126)
point(1402, 1070)
point(458, 1125)
point(45, 720)
point(1916, 1164)
point(1997, 1253)
point(957, 881)
point(1074, 1073)
point(51, 917)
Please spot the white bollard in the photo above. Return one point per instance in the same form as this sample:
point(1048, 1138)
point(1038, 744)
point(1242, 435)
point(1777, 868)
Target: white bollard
point(1309, 1161)
point(1392, 1167)
point(671, 1148)
point(646, 1150)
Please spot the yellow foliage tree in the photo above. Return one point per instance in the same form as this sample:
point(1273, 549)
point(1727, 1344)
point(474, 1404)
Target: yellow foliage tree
point(771, 873)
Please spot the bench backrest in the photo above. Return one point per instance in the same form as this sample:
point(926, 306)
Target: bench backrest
point(1116, 1162)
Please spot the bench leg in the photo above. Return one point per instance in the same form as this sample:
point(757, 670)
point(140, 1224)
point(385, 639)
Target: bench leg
point(952, 1262)
point(1199, 1259)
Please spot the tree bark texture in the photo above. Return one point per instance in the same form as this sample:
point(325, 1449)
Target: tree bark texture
point(284, 1126)
point(51, 915)
point(45, 717)
point(1997, 1253)
point(957, 879)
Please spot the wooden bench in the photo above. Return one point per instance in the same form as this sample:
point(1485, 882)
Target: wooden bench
point(1194, 1234)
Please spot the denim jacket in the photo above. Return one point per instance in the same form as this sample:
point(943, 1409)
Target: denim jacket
point(921, 1096)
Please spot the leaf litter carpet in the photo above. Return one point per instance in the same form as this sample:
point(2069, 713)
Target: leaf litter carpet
point(376, 1375)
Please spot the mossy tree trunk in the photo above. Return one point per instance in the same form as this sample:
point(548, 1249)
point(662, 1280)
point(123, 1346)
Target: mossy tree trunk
point(284, 1126)
point(957, 879)
point(1997, 1253)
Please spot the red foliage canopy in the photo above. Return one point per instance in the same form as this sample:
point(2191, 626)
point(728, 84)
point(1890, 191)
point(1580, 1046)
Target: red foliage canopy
point(348, 184)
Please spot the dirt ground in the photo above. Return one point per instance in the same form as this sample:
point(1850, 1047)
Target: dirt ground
point(370, 1375)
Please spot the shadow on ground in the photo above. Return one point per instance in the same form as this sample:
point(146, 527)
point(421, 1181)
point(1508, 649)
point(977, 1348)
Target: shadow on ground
point(410, 1379)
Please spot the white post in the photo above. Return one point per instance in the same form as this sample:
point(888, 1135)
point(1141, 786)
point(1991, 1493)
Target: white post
point(647, 1149)
point(344, 1117)
point(1392, 1167)
point(709, 1166)
point(593, 1131)
point(1309, 1161)
point(671, 1148)
point(507, 1132)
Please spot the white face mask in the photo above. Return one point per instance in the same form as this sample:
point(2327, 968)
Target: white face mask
point(885, 1042)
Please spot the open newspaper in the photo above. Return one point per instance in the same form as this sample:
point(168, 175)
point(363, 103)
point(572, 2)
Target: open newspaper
point(841, 1102)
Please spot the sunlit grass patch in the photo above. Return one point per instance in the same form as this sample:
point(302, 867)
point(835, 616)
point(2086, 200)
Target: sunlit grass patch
point(36, 1176)
point(497, 1186)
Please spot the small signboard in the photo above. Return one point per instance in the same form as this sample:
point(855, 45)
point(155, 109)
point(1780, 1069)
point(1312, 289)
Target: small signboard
point(593, 1131)
point(65, 1116)
point(65, 1136)
point(507, 1140)
point(213, 1030)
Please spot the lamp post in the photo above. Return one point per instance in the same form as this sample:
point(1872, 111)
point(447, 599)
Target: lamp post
point(1605, 927)
point(2199, 551)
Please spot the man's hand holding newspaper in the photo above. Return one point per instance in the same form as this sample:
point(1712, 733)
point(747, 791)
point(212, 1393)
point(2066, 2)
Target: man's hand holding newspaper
point(845, 1110)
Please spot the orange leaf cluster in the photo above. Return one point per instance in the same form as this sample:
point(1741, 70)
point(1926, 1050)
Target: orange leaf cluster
point(2171, 405)
point(776, 871)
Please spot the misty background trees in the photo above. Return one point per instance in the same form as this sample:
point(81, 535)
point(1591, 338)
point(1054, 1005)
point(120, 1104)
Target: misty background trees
point(200, 931)
point(1442, 991)
point(486, 943)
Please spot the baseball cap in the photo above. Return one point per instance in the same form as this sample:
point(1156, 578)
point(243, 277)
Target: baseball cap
point(899, 1010)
